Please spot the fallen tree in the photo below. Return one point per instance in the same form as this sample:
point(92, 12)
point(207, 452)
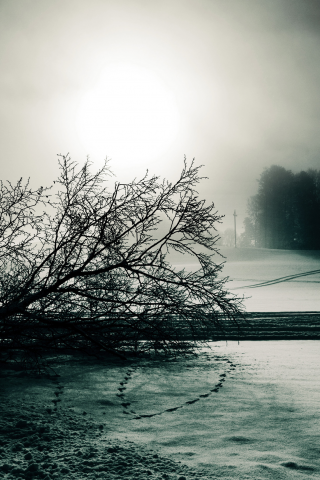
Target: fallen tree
point(86, 268)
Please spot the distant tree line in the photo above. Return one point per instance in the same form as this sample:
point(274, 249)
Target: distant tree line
point(285, 213)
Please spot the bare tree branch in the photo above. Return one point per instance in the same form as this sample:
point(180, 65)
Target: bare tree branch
point(90, 271)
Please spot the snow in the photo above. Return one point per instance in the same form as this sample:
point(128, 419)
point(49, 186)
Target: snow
point(237, 411)
point(66, 426)
point(249, 266)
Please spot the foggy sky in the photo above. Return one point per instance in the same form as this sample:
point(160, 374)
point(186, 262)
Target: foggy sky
point(245, 74)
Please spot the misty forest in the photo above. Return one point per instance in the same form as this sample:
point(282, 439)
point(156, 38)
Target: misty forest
point(285, 212)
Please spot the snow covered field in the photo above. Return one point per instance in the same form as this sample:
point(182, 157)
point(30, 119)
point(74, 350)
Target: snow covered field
point(250, 266)
point(247, 411)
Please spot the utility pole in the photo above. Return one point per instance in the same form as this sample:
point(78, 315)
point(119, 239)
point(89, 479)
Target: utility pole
point(235, 229)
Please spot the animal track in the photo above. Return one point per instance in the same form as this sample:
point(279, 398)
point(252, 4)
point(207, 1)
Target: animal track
point(222, 378)
point(192, 401)
point(122, 389)
point(172, 409)
point(57, 392)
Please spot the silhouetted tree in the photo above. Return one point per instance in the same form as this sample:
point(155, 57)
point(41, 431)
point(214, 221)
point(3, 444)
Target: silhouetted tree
point(307, 210)
point(90, 271)
point(247, 238)
point(275, 207)
point(285, 211)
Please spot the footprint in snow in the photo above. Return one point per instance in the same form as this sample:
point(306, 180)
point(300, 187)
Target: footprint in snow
point(172, 409)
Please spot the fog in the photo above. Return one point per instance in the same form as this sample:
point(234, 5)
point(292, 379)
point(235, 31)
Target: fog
point(245, 76)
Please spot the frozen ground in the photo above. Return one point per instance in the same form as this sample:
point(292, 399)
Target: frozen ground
point(248, 411)
point(250, 266)
point(71, 426)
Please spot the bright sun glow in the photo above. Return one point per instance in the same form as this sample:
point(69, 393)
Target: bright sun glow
point(129, 116)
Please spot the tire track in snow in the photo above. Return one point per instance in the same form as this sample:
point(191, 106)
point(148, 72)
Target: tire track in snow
point(274, 281)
